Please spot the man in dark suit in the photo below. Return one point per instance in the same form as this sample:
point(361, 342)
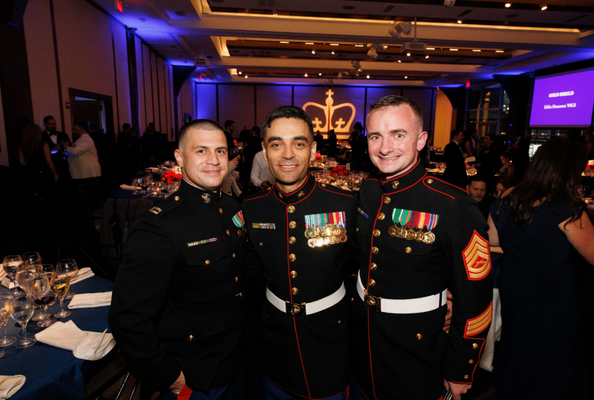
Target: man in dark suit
point(301, 233)
point(177, 302)
point(54, 139)
point(455, 172)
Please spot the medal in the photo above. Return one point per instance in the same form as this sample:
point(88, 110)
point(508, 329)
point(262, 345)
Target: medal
point(419, 236)
point(392, 231)
point(311, 243)
point(428, 237)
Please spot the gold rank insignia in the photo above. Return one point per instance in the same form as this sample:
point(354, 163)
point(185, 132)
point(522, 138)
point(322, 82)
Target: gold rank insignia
point(477, 258)
point(413, 225)
point(478, 324)
point(206, 198)
point(325, 229)
point(155, 210)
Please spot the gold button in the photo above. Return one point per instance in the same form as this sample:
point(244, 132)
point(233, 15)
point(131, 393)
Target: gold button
point(408, 250)
point(376, 232)
point(292, 224)
point(233, 255)
point(419, 336)
point(465, 376)
point(371, 282)
point(373, 266)
point(381, 216)
point(339, 321)
point(292, 240)
point(190, 338)
point(471, 361)
point(207, 262)
point(227, 232)
point(294, 290)
point(176, 198)
point(280, 195)
point(357, 229)
point(323, 185)
point(475, 346)
point(430, 181)
point(374, 250)
point(261, 244)
point(387, 200)
point(292, 257)
point(221, 211)
point(291, 209)
point(394, 186)
point(301, 194)
point(293, 274)
point(352, 299)
point(236, 278)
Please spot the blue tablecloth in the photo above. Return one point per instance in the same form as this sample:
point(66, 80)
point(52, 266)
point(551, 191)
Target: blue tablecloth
point(54, 373)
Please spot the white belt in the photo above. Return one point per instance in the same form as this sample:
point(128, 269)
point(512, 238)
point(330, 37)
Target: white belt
point(306, 308)
point(404, 306)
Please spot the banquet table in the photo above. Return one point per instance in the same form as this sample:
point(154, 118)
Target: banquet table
point(54, 373)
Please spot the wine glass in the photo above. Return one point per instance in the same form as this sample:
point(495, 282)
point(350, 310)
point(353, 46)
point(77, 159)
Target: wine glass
point(31, 258)
point(22, 313)
point(24, 277)
point(6, 308)
point(43, 296)
point(69, 267)
point(11, 265)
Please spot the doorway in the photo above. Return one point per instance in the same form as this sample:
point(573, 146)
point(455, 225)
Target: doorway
point(93, 108)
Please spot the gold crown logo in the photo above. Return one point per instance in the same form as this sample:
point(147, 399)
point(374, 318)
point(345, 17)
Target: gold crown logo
point(329, 109)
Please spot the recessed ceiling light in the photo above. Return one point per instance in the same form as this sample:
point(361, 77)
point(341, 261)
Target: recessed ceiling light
point(333, 44)
point(406, 77)
point(240, 72)
point(499, 51)
point(284, 42)
point(399, 61)
point(311, 44)
point(332, 52)
point(305, 75)
point(459, 21)
point(507, 5)
point(408, 54)
point(453, 49)
point(367, 76)
point(246, 77)
point(543, 7)
point(476, 50)
point(430, 48)
point(320, 74)
point(313, 52)
point(427, 56)
point(358, 45)
point(274, 14)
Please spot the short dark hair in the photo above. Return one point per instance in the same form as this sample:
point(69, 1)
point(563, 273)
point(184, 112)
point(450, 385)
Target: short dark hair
point(358, 126)
point(455, 133)
point(476, 178)
point(395, 101)
point(287, 112)
point(151, 125)
point(228, 123)
point(203, 124)
point(47, 118)
point(505, 154)
point(81, 124)
point(126, 126)
point(256, 130)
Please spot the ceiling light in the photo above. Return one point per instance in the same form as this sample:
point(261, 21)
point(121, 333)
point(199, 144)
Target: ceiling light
point(333, 44)
point(408, 54)
point(430, 48)
point(476, 50)
point(284, 42)
point(406, 77)
point(332, 52)
point(427, 56)
point(367, 76)
point(311, 44)
point(313, 52)
point(507, 5)
point(305, 75)
point(399, 61)
point(274, 13)
point(372, 53)
point(339, 76)
point(459, 21)
point(543, 7)
point(358, 45)
point(320, 74)
point(240, 72)
point(246, 77)
point(453, 49)
point(499, 51)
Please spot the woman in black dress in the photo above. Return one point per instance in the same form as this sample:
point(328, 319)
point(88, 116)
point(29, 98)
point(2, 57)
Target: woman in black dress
point(539, 224)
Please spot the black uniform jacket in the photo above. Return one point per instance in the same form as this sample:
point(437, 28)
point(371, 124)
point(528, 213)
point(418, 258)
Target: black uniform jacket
point(406, 356)
point(176, 303)
point(305, 355)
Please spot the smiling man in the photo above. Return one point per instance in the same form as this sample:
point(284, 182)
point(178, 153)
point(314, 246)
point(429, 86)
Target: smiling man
point(300, 234)
point(418, 237)
point(176, 306)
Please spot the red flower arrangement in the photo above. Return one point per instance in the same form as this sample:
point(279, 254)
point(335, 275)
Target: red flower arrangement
point(339, 170)
point(170, 177)
point(318, 156)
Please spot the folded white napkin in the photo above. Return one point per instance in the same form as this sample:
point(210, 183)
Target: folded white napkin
point(9, 385)
point(8, 283)
point(84, 345)
point(128, 187)
point(83, 273)
point(90, 300)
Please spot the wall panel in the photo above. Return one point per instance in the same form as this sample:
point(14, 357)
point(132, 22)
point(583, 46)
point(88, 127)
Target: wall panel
point(206, 101)
point(426, 99)
point(268, 97)
point(121, 51)
point(3, 143)
point(142, 119)
point(236, 102)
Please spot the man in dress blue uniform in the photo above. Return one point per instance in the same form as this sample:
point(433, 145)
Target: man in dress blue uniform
point(300, 231)
point(176, 310)
point(418, 237)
